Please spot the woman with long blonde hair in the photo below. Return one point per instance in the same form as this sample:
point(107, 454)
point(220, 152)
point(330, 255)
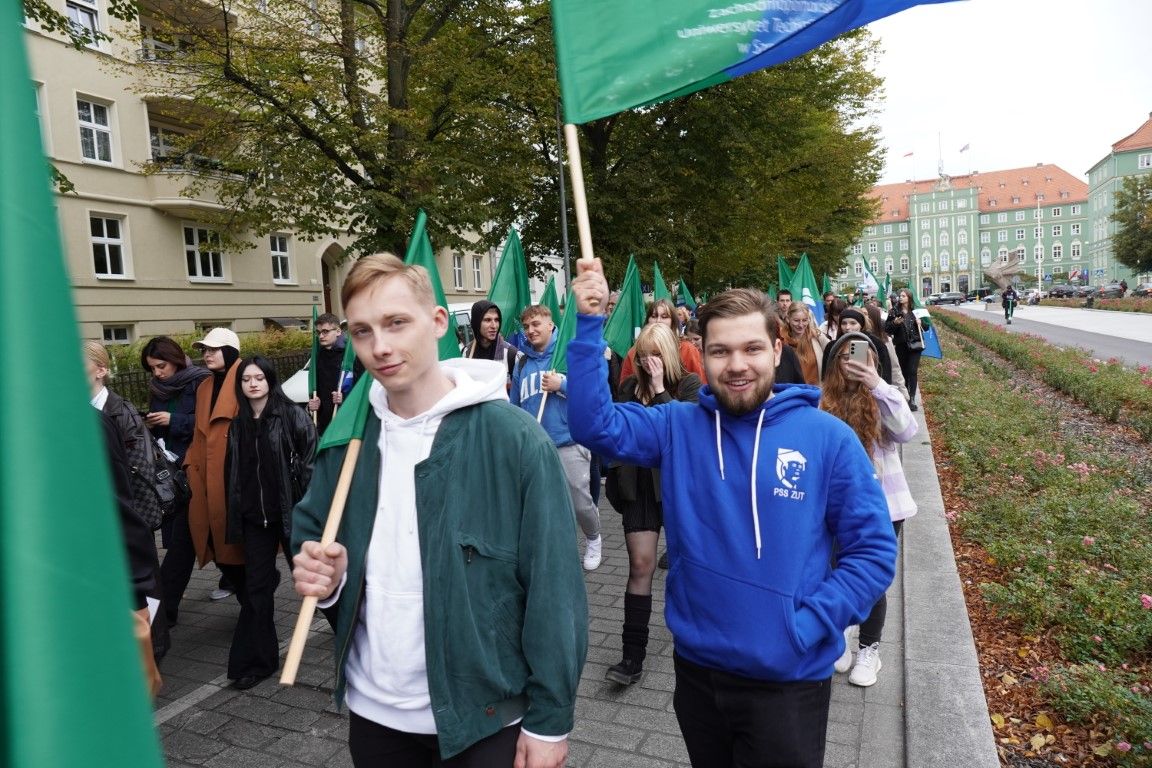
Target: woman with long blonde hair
point(806, 339)
point(635, 491)
point(877, 412)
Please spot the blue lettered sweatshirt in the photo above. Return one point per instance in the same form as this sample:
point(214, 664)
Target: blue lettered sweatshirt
point(526, 391)
point(753, 506)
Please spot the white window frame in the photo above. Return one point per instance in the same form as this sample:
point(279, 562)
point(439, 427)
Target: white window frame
point(902, 228)
point(1057, 252)
point(926, 262)
point(458, 271)
point(1074, 251)
point(280, 253)
point(962, 237)
point(1019, 216)
point(926, 241)
point(887, 266)
point(1075, 210)
point(962, 260)
point(477, 273)
point(1020, 233)
point(887, 246)
point(106, 243)
point(873, 247)
point(81, 11)
point(985, 218)
point(904, 264)
point(857, 249)
point(116, 334)
point(887, 229)
point(925, 207)
point(904, 244)
point(985, 256)
point(1074, 229)
point(945, 261)
point(1057, 230)
point(1037, 232)
point(873, 266)
point(1002, 236)
point(215, 259)
point(985, 237)
point(96, 129)
point(858, 269)
point(1002, 217)
point(1057, 212)
point(944, 239)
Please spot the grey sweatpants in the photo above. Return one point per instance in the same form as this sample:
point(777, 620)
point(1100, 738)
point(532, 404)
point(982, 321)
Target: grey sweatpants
point(577, 461)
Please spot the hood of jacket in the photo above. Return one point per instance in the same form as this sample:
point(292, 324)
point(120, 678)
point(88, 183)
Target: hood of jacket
point(479, 309)
point(474, 381)
point(529, 350)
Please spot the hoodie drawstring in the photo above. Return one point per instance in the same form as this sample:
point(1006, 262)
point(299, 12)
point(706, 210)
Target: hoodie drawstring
point(755, 463)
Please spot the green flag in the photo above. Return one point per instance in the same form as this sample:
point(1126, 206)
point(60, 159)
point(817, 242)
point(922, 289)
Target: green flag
point(420, 252)
point(315, 355)
point(551, 300)
point(348, 423)
point(825, 285)
point(628, 317)
point(659, 287)
point(565, 330)
point(804, 288)
point(613, 55)
point(686, 296)
point(784, 272)
point(73, 691)
point(772, 292)
point(509, 289)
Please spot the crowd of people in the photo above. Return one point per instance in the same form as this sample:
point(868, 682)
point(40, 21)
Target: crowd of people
point(764, 445)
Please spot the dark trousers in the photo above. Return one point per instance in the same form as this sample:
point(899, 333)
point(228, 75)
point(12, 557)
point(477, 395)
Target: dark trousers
point(176, 569)
point(910, 367)
point(255, 648)
point(730, 721)
point(594, 479)
point(872, 629)
point(377, 746)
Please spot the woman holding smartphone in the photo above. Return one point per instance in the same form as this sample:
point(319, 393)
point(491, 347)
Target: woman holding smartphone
point(855, 393)
point(907, 333)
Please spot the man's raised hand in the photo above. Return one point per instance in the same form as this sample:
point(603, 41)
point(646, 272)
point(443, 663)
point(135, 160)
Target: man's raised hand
point(590, 288)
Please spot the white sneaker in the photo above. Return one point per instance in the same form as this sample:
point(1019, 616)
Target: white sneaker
point(593, 554)
point(844, 663)
point(867, 666)
point(220, 594)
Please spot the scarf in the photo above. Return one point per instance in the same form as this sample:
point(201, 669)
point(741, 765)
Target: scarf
point(174, 385)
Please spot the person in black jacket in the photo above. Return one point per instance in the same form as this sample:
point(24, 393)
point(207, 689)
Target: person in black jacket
point(907, 333)
point(271, 447)
point(329, 390)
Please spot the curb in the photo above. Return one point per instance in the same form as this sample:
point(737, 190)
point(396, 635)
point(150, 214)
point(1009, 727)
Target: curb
point(946, 721)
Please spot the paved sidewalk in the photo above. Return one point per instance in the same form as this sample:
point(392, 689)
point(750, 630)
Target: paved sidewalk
point(203, 722)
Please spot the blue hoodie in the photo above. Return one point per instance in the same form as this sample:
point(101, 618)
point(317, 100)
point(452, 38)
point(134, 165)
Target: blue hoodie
point(526, 391)
point(754, 508)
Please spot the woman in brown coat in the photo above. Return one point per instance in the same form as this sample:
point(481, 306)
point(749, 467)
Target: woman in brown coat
point(216, 406)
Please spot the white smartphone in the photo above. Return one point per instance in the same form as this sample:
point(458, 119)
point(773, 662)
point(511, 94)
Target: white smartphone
point(858, 351)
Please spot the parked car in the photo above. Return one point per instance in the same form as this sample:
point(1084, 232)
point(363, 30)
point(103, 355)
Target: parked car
point(1034, 292)
point(1062, 291)
point(993, 298)
point(933, 298)
point(1144, 289)
point(948, 297)
point(1085, 291)
point(1110, 291)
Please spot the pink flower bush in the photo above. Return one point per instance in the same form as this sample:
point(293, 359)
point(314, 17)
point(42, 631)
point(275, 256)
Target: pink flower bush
point(1088, 541)
point(1123, 746)
point(1146, 601)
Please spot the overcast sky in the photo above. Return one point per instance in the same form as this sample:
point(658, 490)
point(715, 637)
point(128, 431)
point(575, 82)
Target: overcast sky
point(1020, 81)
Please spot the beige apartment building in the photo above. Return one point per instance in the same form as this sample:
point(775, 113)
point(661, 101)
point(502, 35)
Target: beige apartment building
point(141, 259)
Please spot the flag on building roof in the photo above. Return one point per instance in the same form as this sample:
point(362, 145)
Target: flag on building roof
point(420, 252)
point(73, 690)
point(964, 148)
point(614, 55)
point(628, 317)
point(510, 289)
point(907, 154)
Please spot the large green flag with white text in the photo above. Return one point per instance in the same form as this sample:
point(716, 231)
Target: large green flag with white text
point(72, 692)
point(613, 55)
point(420, 252)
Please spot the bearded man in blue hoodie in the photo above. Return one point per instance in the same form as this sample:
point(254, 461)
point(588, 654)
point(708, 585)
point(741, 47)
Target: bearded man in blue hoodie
point(760, 490)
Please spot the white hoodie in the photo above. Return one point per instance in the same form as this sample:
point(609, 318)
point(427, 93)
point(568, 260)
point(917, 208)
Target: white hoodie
point(387, 671)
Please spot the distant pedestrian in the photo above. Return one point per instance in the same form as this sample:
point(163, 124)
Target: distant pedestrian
point(634, 491)
point(1008, 300)
point(807, 340)
point(907, 332)
point(855, 393)
point(271, 447)
point(662, 311)
point(487, 343)
point(330, 387)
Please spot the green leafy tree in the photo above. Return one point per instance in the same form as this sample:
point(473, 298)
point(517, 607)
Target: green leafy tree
point(1132, 242)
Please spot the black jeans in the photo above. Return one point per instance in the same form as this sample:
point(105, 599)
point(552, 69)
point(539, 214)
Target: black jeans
point(377, 746)
point(910, 367)
point(176, 569)
point(255, 648)
point(730, 721)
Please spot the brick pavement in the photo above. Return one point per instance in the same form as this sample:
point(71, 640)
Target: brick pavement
point(204, 723)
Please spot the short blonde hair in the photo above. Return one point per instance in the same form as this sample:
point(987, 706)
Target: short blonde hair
point(658, 338)
point(369, 271)
point(97, 354)
point(535, 310)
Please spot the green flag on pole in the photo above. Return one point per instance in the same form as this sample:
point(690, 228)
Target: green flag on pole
point(348, 423)
point(510, 289)
point(420, 252)
point(772, 292)
point(628, 317)
point(825, 285)
point(784, 272)
point(686, 296)
point(659, 287)
point(315, 355)
point(551, 300)
point(73, 684)
point(565, 330)
point(804, 288)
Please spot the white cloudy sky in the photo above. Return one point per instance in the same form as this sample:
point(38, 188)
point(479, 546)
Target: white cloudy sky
point(1021, 81)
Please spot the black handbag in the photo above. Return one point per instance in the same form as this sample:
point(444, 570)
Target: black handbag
point(915, 344)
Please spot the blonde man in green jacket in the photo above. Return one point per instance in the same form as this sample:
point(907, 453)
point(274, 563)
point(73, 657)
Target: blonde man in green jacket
point(454, 590)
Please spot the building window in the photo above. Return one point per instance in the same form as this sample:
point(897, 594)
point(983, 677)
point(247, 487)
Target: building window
point(1057, 252)
point(1057, 230)
point(859, 269)
point(95, 131)
point(961, 221)
point(941, 222)
point(1002, 236)
point(281, 263)
point(985, 237)
point(1040, 196)
point(458, 271)
point(985, 218)
point(873, 266)
point(904, 264)
point(1037, 232)
point(926, 241)
point(904, 244)
point(887, 246)
point(202, 253)
point(924, 208)
point(1002, 218)
point(1038, 214)
point(476, 282)
point(1020, 234)
point(1144, 161)
point(107, 246)
point(1075, 229)
point(903, 227)
point(1057, 212)
point(117, 334)
point(887, 229)
point(1003, 255)
point(926, 262)
point(945, 261)
point(962, 237)
point(1075, 210)
point(887, 266)
point(1019, 215)
point(869, 231)
point(992, 203)
point(1038, 253)
point(944, 239)
point(1015, 200)
point(961, 204)
point(873, 248)
point(857, 249)
point(985, 257)
point(925, 224)
point(1074, 250)
point(962, 260)
point(85, 18)
point(942, 205)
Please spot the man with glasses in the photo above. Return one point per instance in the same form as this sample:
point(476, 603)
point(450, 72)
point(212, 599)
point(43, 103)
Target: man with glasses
point(329, 392)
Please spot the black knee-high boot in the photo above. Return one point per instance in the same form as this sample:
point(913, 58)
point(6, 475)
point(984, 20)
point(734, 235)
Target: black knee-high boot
point(637, 612)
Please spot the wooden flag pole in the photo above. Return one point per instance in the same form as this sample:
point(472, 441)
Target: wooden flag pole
point(314, 412)
point(331, 526)
point(579, 199)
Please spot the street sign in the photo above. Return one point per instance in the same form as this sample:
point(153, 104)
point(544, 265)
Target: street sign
point(1047, 277)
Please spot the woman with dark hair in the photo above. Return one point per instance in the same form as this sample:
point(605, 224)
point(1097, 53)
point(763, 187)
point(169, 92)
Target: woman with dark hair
point(831, 325)
point(662, 311)
point(268, 465)
point(855, 393)
point(852, 320)
point(171, 417)
point(907, 332)
point(635, 491)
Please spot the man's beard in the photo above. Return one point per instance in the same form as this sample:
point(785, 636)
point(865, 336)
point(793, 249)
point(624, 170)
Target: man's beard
point(748, 402)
